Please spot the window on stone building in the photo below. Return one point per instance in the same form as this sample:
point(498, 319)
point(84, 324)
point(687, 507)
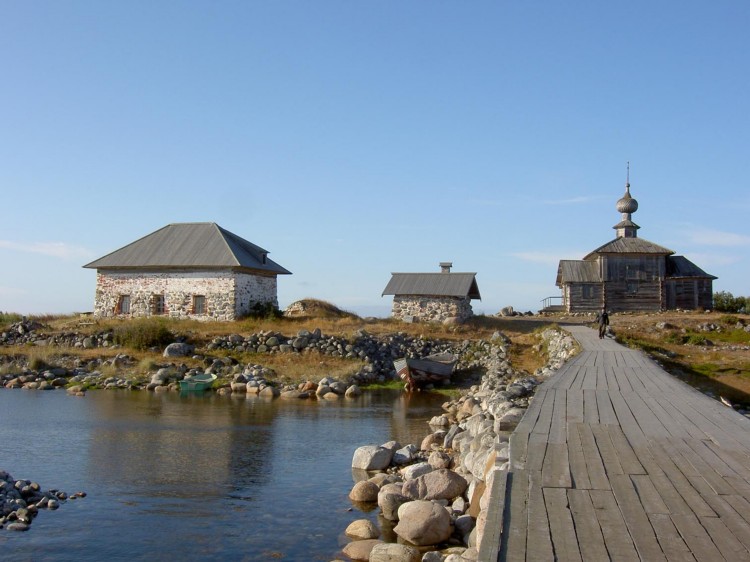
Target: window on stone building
point(199, 304)
point(123, 304)
point(157, 304)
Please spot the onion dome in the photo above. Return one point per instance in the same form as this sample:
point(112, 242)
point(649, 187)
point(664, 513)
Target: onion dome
point(627, 204)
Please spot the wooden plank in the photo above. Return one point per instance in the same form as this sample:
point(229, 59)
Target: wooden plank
point(493, 528)
point(629, 426)
point(733, 519)
point(590, 410)
point(535, 451)
point(636, 519)
point(556, 469)
point(648, 422)
point(604, 406)
point(691, 463)
point(515, 521)
point(681, 483)
point(724, 539)
point(574, 410)
point(698, 540)
point(594, 464)
point(590, 538)
point(517, 449)
point(539, 539)
point(561, 525)
point(616, 537)
point(625, 454)
point(532, 412)
point(578, 471)
point(558, 425)
point(669, 538)
point(650, 498)
point(606, 450)
point(544, 420)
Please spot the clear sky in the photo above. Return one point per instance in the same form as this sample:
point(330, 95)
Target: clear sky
point(353, 139)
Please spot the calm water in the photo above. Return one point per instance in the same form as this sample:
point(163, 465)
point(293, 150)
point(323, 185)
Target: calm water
point(194, 477)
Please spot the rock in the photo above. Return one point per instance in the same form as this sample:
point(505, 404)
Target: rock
point(270, 392)
point(439, 460)
point(17, 526)
point(405, 455)
point(360, 550)
point(372, 457)
point(440, 484)
point(364, 491)
point(362, 529)
point(416, 470)
point(353, 391)
point(178, 349)
point(509, 420)
point(423, 523)
point(390, 499)
point(393, 552)
point(436, 438)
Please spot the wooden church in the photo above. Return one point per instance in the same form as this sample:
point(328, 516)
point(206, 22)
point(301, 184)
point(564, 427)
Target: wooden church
point(633, 274)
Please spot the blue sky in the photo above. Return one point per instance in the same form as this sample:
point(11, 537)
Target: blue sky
point(356, 139)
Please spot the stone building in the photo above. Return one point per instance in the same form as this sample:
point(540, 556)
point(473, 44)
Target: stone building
point(186, 270)
point(632, 274)
point(433, 297)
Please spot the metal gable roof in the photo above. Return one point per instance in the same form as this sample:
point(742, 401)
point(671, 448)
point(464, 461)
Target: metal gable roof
point(434, 285)
point(189, 245)
point(629, 246)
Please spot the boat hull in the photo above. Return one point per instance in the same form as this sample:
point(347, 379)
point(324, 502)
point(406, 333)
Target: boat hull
point(417, 373)
point(197, 383)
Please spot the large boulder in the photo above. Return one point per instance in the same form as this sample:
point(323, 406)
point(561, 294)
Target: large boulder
point(390, 499)
point(372, 457)
point(392, 552)
point(364, 491)
point(362, 529)
point(360, 550)
point(423, 523)
point(178, 349)
point(510, 419)
point(442, 484)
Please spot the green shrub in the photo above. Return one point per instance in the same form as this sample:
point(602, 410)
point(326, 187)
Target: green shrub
point(696, 339)
point(725, 301)
point(141, 334)
point(729, 319)
point(8, 318)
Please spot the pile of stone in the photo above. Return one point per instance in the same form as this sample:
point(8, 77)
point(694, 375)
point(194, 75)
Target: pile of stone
point(469, 439)
point(28, 332)
point(21, 500)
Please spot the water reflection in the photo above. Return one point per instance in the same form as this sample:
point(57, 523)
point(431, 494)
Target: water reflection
point(238, 477)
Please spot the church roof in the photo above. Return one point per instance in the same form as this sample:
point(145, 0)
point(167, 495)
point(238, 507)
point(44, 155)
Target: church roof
point(433, 285)
point(578, 271)
point(629, 246)
point(680, 266)
point(189, 246)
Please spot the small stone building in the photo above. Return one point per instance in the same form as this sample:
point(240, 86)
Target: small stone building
point(632, 274)
point(186, 270)
point(433, 297)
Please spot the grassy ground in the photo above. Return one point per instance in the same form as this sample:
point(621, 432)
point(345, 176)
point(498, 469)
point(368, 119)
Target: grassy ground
point(137, 335)
point(711, 360)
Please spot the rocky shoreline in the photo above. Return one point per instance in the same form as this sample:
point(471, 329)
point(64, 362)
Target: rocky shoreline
point(21, 501)
point(430, 496)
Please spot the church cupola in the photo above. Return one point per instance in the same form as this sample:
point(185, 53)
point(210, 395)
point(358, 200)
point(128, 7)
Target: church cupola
point(627, 205)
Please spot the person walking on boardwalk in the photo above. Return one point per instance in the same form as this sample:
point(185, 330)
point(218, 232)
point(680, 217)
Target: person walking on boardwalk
point(603, 320)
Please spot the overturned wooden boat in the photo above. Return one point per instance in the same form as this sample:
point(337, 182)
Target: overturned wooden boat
point(432, 369)
point(199, 382)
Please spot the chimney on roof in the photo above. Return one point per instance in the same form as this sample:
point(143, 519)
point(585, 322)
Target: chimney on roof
point(445, 266)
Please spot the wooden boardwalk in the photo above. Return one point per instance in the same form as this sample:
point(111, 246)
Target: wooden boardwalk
point(616, 459)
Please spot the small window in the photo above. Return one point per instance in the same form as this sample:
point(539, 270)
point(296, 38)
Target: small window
point(588, 291)
point(157, 304)
point(632, 288)
point(123, 304)
point(199, 304)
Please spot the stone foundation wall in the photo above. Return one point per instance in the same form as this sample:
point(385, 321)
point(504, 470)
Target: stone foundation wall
point(431, 309)
point(227, 294)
